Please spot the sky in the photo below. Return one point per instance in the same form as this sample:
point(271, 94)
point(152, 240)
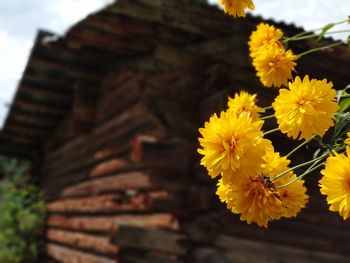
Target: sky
point(20, 20)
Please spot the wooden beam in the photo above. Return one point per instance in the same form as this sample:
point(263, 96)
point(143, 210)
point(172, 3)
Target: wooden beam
point(153, 240)
point(68, 255)
point(111, 224)
point(91, 242)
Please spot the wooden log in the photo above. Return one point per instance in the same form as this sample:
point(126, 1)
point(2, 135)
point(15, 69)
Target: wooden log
point(128, 201)
point(208, 255)
point(108, 42)
point(154, 240)
point(285, 232)
point(128, 93)
point(176, 56)
point(142, 256)
point(121, 182)
point(111, 224)
point(66, 171)
point(118, 127)
point(246, 250)
point(173, 84)
point(122, 26)
point(173, 153)
point(187, 17)
point(145, 63)
point(114, 79)
point(172, 113)
point(109, 166)
point(60, 52)
point(93, 243)
point(45, 82)
point(59, 69)
point(68, 255)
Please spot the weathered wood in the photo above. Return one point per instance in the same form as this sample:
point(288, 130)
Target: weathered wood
point(244, 250)
point(68, 255)
point(172, 85)
point(109, 166)
point(176, 153)
point(114, 79)
point(61, 70)
point(122, 26)
point(128, 201)
point(314, 237)
point(172, 14)
point(142, 256)
point(127, 94)
point(156, 240)
point(111, 224)
point(84, 158)
point(131, 180)
point(175, 56)
point(109, 42)
point(172, 113)
point(93, 243)
point(121, 124)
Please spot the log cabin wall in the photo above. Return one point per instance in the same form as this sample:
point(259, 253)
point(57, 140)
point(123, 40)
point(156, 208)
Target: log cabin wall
point(111, 113)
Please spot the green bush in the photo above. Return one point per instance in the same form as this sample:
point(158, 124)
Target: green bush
point(22, 212)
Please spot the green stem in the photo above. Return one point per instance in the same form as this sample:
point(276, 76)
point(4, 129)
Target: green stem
point(299, 146)
point(271, 131)
point(301, 37)
point(301, 176)
point(337, 31)
point(313, 35)
point(312, 166)
point(298, 166)
point(267, 117)
point(268, 108)
point(311, 32)
point(321, 48)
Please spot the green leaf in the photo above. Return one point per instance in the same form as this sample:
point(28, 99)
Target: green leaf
point(341, 121)
point(316, 153)
point(339, 95)
point(325, 30)
point(344, 105)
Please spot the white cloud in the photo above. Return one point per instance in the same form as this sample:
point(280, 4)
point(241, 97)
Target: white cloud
point(19, 23)
point(13, 55)
point(310, 14)
point(70, 12)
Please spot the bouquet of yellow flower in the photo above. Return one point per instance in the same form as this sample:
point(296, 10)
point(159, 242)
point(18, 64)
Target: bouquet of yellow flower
point(254, 180)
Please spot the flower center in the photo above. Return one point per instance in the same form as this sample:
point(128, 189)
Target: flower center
point(232, 145)
point(266, 183)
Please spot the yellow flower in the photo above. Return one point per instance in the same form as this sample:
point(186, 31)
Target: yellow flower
point(237, 8)
point(293, 196)
point(274, 163)
point(264, 35)
point(305, 109)
point(224, 193)
point(335, 183)
point(347, 140)
point(230, 143)
point(258, 198)
point(274, 65)
point(244, 102)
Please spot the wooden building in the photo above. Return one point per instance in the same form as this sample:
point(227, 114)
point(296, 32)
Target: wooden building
point(109, 115)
